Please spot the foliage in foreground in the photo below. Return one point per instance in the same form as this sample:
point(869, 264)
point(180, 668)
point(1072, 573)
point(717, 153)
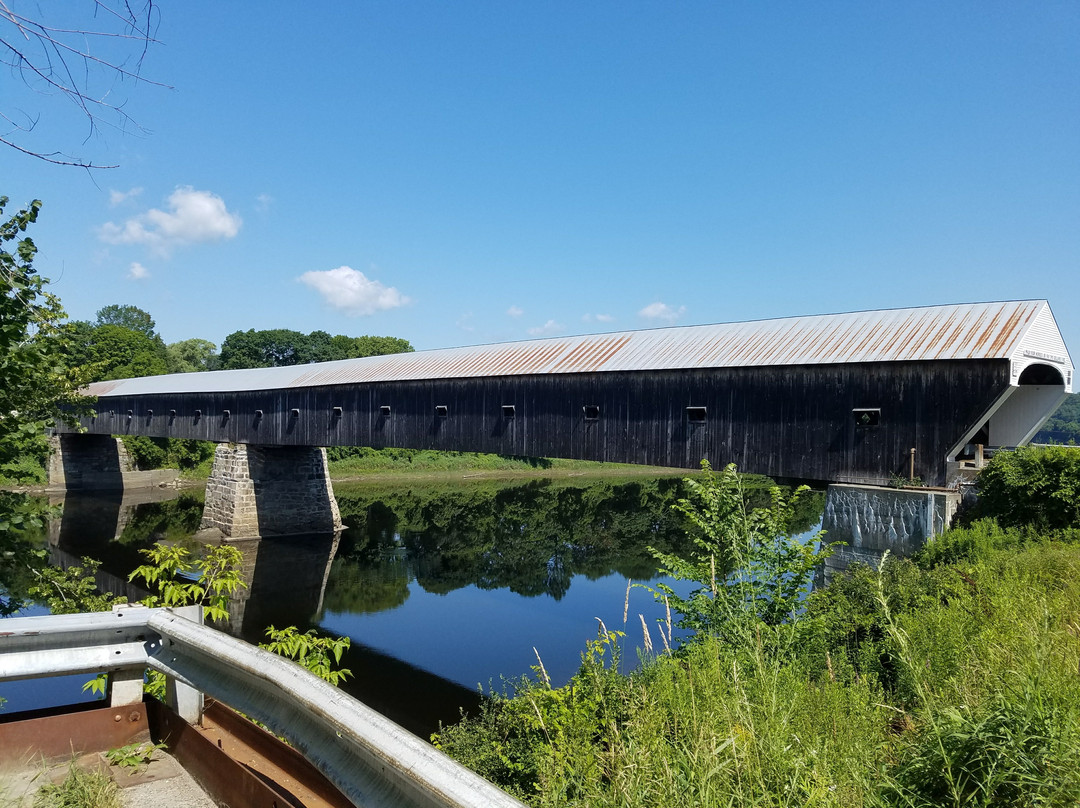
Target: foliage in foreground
point(208, 580)
point(177, 578)
point(310, 651)
point(36, 385)
point(949, 679)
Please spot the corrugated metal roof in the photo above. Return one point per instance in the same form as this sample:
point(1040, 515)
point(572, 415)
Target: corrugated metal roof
point(965, 331)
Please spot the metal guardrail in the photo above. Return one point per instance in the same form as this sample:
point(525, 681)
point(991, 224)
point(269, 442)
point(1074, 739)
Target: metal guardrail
point(372, 760)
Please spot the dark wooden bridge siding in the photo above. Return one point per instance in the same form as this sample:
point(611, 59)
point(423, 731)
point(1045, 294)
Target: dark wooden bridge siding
point(791, 422)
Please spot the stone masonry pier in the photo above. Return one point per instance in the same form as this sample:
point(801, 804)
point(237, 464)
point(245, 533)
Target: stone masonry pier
point(270, 491)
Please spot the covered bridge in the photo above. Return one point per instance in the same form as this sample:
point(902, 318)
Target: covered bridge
point(831, 398)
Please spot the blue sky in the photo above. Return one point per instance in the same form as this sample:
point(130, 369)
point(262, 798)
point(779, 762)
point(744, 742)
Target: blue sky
point(462, 173)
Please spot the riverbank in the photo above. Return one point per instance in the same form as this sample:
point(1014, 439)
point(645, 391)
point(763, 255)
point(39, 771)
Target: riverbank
point(947, 679)
point(363, 465)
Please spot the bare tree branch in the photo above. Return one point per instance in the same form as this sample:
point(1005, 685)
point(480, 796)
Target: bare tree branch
point(81, 63)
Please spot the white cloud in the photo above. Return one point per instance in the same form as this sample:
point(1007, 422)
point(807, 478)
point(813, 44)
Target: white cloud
point(263, 202)
point(662, 311)
point(464, 322)
point(352, 291)
point(193, 217)
point(515, 311)
point(548, 329)
point(116, 197)
point(600, 318)
point(137, 271)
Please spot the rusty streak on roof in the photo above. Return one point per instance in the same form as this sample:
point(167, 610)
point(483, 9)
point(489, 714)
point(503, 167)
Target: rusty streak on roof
point(965, 331)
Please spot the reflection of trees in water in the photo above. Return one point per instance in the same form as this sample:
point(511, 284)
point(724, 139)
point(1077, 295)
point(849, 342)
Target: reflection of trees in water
point(22, 532)
point(171, 520)
point(530, 537)
point(100, 525)
point(358, 588)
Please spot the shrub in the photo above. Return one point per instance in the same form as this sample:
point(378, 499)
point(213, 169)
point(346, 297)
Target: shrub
point(156, 453)
point(770, 565)
point(1037, 486)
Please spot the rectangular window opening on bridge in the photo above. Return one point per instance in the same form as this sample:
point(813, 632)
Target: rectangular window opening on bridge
point(337, 412)
point(592, 412)
point(225, 415)
point(384, 410)
point(441, 410)
point(509, 410)
point(149, 413)
point(695, 415)
point(867, 416)
point(294, 413)
point(258, 415)
point(198, 415)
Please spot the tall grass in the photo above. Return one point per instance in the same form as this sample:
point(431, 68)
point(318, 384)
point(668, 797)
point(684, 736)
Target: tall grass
point(952, 679)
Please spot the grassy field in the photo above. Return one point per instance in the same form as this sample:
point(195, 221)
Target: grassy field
point(346, 463)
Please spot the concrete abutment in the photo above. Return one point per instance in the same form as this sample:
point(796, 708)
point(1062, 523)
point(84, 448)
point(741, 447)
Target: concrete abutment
point(80, 462)
point(871, 521)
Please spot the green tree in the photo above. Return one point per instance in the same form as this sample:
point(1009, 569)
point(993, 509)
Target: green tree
point(261, 349)
point(131, 317)
point(280, 347)
point(378, 346)
point(1064, 425)
point(121, 353)
point(36, 384)
point(191, 355)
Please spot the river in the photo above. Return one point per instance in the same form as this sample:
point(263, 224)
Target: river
point(445, 589)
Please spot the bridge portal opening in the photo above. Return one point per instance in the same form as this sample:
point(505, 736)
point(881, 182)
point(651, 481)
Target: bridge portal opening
point(1041, 375)
point(1017, 415)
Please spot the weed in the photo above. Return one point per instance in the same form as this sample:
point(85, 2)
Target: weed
point(134, 757)
point(82, 788)
point(216, 573)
